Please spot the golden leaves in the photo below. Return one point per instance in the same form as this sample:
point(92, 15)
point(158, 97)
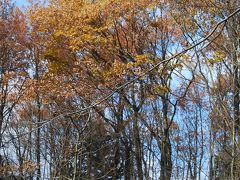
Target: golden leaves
point(217, 57)
point(107, 44)
point(160, 90)
point(141, 59)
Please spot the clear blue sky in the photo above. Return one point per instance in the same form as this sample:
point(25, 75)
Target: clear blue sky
point(21, 2)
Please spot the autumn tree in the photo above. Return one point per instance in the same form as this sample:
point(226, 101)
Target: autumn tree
point(137, 89)
point(13, 54)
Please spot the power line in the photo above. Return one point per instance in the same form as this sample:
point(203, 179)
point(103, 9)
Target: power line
point(134, 79)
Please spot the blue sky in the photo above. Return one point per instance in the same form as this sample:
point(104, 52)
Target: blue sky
point(21, 2)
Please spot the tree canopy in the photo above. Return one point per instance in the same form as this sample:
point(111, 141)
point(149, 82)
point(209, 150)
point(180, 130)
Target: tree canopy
point(114, 89)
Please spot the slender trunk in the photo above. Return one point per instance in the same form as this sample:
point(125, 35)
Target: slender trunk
point(202, 145)
point(196, 147)
point(166, 150)
point(75, 158)
point(232, 29)
point(38, 146)
point(89, 156)
point(166, 163)
point(116, 160)
point(137, 143)
point(233, 153)
point(30, 149)
point(52, 154)
point(236, 87)
point(127, 167)
point(80, 160)
point(211, 147)
point(1, 122)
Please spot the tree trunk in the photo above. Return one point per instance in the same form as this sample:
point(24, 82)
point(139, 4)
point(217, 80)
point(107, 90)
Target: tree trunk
point(38, 146)
point(127, 167)
point(137, 144)
point(166, 150)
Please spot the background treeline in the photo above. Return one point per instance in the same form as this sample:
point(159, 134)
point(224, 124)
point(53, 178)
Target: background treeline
point(66, 111)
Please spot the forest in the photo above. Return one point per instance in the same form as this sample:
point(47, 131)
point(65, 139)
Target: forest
point(120, 90)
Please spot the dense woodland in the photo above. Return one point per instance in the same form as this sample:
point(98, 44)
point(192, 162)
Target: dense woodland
point(120, 89)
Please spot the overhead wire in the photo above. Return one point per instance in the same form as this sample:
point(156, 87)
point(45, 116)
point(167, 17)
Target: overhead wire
point(117, 89)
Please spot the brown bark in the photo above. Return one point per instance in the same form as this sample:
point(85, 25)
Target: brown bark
point(166, 151)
